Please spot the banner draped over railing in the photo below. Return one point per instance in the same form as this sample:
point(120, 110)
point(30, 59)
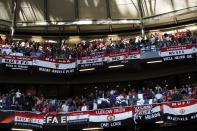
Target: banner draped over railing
point(17, 62)
point(61, 66)
point(54, 65)
point(178, 53)
point(175, 112)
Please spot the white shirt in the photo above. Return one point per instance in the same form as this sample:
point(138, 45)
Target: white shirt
point(94, 106)
point(18, 94)
point(64, 108)
point(158, 96)
point(23, 44)
point(84, 108)
point(120, 97)
point(1, 102)
point(140, 96)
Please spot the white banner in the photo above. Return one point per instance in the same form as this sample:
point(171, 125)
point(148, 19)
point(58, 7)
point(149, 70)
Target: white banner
point(17, 60)
point(180, 108)
point(89, 61)
point(77, 117)
point(124, 56)
point(54, 65)
point(111, 57)
point(182, 50)
point(29, 120)
point(110, 115)
point(109, 118)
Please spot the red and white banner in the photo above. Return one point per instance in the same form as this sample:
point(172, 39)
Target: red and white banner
point(184, 111)
point(182, 50)
point(124, 56)
point(147, 113)
point(54, 63)
point(78, 117)
point(90, 60)
point(180, 108)
point(16, 62)
point(29, 120)
point(110, 58)
point(110, 115)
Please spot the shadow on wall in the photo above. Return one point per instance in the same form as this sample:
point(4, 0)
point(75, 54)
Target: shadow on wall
point(124, 9)
point(61, 10)
point(92, 9)
point(30, 10)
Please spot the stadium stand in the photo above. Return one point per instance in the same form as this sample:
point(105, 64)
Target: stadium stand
point(96, 47)
point(18, 101)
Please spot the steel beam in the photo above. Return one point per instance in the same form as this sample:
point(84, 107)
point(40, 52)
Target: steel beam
point(46, 10)
point(108, 9)
point(108, 14)
point(140, 7)
point(76, 6)
point(12, 28)
point(46, 18)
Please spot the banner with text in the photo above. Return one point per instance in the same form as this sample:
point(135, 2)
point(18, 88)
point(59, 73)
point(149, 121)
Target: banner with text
point(147, 113)
point(85, 62)
point(124, 57)
point(111, 117)
point(25, 120)
point(55, 65)
point(185, 111)
point(175, 51)
point(174, 112)
point(17, 62)
point(179, 57)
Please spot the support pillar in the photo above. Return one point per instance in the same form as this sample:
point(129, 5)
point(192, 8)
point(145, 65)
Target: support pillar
point(12, 28)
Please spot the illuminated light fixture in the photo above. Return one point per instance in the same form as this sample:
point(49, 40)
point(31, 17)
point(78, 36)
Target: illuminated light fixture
point(19, 129)
point(159, 122)
point(94, 128)
point(116, 66)
point(89, 69)
point(152, 62)
point(83, 22)
point(51, 41)
point(41, 23)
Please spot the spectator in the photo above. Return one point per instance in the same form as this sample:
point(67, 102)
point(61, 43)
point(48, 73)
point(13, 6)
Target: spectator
point(1, 101)
point(28, 102)
point(18, 96)
point(65, 107)
point(133, 97)
point(84, 107)
point(158, 97)
point(98, 100)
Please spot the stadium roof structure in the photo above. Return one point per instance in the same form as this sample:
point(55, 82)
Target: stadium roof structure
point(90, 16)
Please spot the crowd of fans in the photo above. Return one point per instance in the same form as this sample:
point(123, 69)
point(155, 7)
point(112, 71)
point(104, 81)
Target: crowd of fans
point(16, 100)
point(95, 47)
